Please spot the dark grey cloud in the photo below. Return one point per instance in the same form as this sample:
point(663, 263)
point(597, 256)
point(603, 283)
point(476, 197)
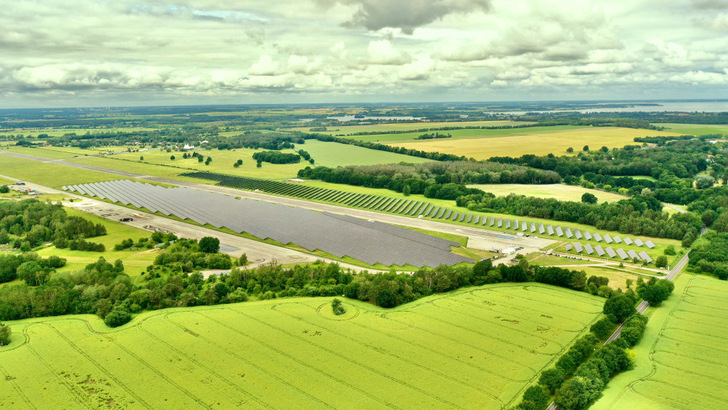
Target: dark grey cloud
point(406, 15)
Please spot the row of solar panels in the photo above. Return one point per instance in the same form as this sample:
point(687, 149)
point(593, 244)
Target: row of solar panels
point(589, 250)
point(370, 242)
point(560, 232)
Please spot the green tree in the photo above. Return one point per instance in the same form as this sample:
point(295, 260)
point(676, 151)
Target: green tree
point(586, 148)
point(704, 182)
point(337, 307)
point(661, 261)
point(172, 157)
point(32, 273)
point(578, 392)
point(208, 244)
point(537, 396)
point(117, 317)
point(670, 250)
point(5, 333)
point(602, 328)
point(4, 189)
point(552, 379)
point(570, 150)
point(141, 158)
point(618, 308)
point(406, 191)
point(604, 149)
point(386, 298)
point(589, 198)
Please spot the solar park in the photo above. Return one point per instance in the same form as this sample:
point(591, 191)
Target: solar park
point(339, 235)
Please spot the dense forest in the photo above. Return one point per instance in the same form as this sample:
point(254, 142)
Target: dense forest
point(417, 178)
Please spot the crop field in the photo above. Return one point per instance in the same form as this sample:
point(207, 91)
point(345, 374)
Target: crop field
point(534, 141)
point(332, 154)
point(695, 129)
point(405, 126)
point(682, 361)
point(52, 175)
point(561, 192)
point(477, 347)
point(464, 134)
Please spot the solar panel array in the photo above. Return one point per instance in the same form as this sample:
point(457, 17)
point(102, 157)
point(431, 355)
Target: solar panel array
point(370, 242)
point(607, 238)
point(649, 244)
point(608, 251)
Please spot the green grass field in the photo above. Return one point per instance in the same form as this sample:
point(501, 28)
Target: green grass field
point(520, 141)
point(52, 175)
point(332, 154)
point(478, 347)
point(695, 129)
point(222, 162)
point(135, 262)
point(682, 361)
point(561, 192)
point(63, 152)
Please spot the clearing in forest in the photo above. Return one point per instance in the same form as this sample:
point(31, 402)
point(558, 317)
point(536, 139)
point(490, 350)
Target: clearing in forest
point(476, 347)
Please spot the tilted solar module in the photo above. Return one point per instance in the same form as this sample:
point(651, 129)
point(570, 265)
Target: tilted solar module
point(645, 257)
point(559, 231)
point(476, 220)
point(508, 223)
point(610, 252)
point(587, 235)
point(500, 222)
point(455, 216)
point(632, 254)
point(578, 247)
point(524, 226)
point(577, 234)
point(541, 229)
point(617, 239)
point(550, 230)
point(649, 244)
point(627, 241)
point(599, 250)
point(621, 253)
point(638, 242)
point(533, 227)
point(491, 221)
point(589, 250)
point(607, 238)
point(568, 247)
point(568, 233)
point(516, 224)
point(597, 237)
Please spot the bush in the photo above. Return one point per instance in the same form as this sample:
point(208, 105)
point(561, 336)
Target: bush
point(337, 307)
point(4, 189)
point(117, 317)
point(552, 379)
point(209, 244)
point(5, 332)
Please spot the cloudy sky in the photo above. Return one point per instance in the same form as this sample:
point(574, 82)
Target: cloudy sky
point(119, 52)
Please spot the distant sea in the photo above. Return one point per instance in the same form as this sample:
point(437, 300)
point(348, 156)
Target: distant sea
point(655, 106)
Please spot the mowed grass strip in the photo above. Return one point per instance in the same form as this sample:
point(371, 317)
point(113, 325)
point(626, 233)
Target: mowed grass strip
point(443, 351)
point(682, 362)
point(532, 141)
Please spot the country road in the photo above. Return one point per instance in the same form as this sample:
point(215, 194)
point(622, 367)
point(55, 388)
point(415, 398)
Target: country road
point(641, 308)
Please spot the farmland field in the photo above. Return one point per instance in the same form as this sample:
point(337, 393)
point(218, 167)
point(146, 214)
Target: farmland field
point(561, 192)
point(464, 134)
point(695, 129)
point(352, 129)
point(477, 347)
point(332, 154)
point(535, 141)
point(682, 361)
